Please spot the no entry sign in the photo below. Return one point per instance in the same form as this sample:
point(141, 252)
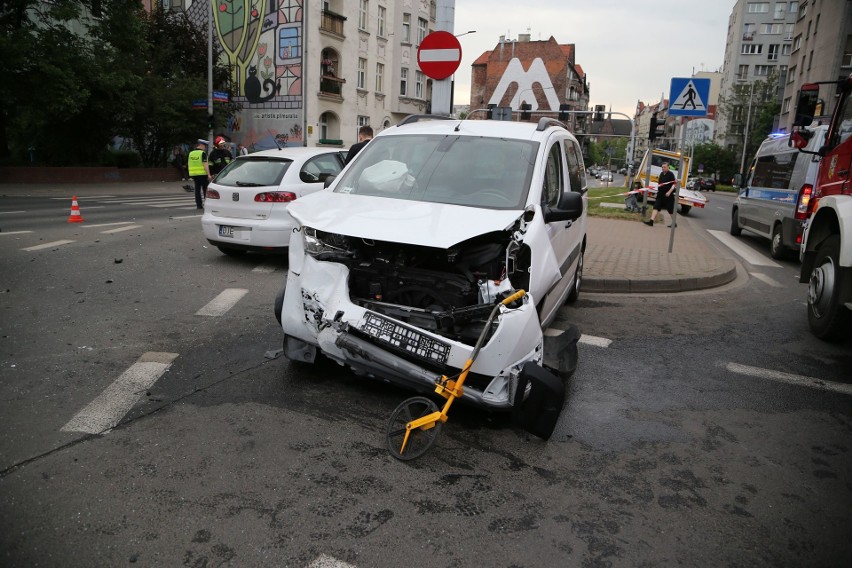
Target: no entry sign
point(439, 55)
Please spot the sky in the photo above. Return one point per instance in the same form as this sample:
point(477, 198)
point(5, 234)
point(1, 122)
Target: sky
point(629, 49)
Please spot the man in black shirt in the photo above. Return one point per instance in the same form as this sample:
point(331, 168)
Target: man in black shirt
point(666, 197)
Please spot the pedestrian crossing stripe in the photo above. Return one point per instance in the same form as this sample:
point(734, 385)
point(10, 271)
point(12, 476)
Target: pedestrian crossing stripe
point(688, 97)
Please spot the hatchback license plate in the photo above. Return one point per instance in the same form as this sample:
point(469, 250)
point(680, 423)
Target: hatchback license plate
point(226, 231)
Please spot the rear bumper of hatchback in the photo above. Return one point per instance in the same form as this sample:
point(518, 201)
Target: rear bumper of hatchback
point(269, 235)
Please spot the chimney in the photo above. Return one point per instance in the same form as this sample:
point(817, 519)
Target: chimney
point(523, 38)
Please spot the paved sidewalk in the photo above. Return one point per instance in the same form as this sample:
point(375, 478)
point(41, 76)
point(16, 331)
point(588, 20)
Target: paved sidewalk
point(622, 255)
point(628, 256)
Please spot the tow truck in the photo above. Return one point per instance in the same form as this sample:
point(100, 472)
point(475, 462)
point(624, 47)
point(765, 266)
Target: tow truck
point(826, 209)
point(687, 198)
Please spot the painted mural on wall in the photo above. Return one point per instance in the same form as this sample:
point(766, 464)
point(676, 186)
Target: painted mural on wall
point(262, 41)
point(525, 81)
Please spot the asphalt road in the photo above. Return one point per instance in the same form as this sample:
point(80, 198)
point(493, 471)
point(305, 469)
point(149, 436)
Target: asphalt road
point(701, 429)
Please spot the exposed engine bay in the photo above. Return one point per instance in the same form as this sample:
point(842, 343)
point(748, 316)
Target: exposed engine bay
point(446, 291)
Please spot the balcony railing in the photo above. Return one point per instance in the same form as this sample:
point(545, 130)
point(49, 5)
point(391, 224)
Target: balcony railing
point(331, 86)
point(748, 36)
point(332, 22)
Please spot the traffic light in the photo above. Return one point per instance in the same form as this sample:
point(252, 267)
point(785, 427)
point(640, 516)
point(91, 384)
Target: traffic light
point(525, 111)
point(490, 115)
point(210, 122)
point(563, 112)
point(652, 132)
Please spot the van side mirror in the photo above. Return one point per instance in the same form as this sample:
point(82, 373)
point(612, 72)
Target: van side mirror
point(569, 208)
point(806, 105)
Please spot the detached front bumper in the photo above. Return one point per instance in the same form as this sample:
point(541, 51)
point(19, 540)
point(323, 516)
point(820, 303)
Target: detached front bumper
point(318, 316)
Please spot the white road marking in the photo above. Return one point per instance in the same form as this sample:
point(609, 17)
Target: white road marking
point(742, 250)
point(83, 197)
point(118, 230)
point(48, 245)
point(798, 380)
point(595, 341)
point(15, 233)
point(766, 279)
point(325, 561)
point(116, 400)
point(186, 216)
point(163, 205)
point(223, 302)
point(10, 212)
point(107, 224)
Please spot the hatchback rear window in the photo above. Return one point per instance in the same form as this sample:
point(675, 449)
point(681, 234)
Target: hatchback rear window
point(253, 172)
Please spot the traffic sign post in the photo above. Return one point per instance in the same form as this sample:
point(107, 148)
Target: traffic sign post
point(439, 55)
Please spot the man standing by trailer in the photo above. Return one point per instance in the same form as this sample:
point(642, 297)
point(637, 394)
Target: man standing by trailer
point(199, 171)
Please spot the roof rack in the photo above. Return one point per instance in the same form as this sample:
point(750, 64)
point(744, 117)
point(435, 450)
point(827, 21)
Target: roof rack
point(546, 121)
point(418, 117)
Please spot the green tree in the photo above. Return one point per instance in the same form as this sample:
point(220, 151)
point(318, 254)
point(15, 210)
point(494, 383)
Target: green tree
point(755, 104)
point(718, 162)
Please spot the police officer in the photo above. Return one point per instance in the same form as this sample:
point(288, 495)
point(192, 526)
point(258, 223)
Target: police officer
point(199, 171)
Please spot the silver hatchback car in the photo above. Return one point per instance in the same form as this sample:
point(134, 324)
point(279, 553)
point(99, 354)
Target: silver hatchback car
point(246, 205)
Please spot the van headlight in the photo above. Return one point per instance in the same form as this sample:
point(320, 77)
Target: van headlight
point(320, 244)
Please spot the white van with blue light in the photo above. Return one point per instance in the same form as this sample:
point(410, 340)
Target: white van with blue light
point(766, 204)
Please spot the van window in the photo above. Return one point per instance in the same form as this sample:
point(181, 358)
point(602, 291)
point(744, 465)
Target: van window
point(574, 157)
point(774, 171)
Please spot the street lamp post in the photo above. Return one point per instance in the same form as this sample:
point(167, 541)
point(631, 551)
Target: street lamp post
point(745, 133)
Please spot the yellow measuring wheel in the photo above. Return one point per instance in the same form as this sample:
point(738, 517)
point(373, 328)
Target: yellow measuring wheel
point(415, 424)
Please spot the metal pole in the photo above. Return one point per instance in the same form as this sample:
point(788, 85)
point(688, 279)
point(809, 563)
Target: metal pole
point(445, 16)
point(210, 74)
point(745, 133)
point(677, 181)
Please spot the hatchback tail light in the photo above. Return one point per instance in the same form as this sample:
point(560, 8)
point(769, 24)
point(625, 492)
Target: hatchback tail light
point(275, 197)
point(805, 202)
point(212, 194)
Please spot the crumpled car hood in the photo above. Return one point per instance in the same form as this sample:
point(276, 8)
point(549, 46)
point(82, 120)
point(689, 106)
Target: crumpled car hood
point(397, 220)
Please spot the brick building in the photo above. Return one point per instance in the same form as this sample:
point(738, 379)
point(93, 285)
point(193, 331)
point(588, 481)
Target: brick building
point(542, 74)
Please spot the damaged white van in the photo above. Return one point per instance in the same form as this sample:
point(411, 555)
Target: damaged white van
point(395, 268)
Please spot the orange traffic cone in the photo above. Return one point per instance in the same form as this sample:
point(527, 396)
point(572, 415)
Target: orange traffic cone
point(75, 212)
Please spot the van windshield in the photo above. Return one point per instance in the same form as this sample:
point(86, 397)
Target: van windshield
point(493, 173)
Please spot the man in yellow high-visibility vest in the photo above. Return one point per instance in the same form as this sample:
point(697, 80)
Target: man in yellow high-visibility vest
point(199, 171)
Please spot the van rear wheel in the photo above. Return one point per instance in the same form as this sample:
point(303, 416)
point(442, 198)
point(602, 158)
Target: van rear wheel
point(776, 246)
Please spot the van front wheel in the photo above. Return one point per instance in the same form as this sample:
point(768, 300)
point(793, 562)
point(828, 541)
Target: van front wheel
point(735, 224)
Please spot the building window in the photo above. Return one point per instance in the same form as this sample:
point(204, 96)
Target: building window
point(791, 75)
point(847, 53)
point(742, 72)
point(758, 7)
point(780, 10)
point(788, 32)
point(362, 73)
point(382, 17)
point(418, 85)
point(803, 11)
point(794, 7)
point(773, 52)
point(785, 108)
point(797, 42)
point(380, 77)
point(772, 29)
point(363, 120)
point(752, 49)
point(748, 32)
point(762, 70)
point(403, 82)
point(422, 28)
point(363, 15)
point(406, 28)
point(810, 59)
point(786, 49)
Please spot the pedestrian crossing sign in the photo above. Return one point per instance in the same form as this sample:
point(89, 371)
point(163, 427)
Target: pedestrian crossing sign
point(689, 96)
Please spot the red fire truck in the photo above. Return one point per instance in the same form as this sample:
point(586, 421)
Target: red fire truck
point(826, 208)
